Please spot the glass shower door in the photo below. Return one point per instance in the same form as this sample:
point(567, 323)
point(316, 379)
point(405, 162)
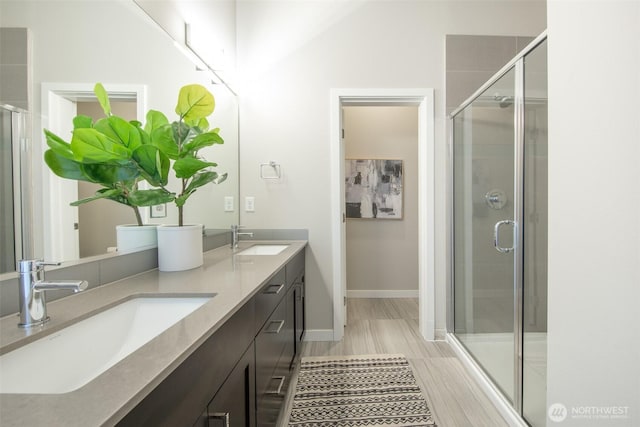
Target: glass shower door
point(484, 257)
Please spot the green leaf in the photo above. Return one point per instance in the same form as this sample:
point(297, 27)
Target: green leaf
point(82, 121)
point(202, 124)
point(91, 146)
point(194, 103)
point(58, 145)
point(181, 200)
point(201, 141)
point(221, 178)
point(65, 167)
point(201, 179)
point(119, 130)
point(182, 133)
point(145, 138)
point(108, 194)
point(155, 120)
point(154, 164)
point(103, 98)
point(111, 173)
point(162, 138)
point(150, 197)
point(187, 167)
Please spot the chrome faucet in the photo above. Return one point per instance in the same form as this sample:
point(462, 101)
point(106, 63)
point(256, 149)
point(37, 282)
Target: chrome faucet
point(235, 235)
point(32, 287)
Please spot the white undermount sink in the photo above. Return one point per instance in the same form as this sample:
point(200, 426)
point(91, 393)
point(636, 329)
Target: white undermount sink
point(264, 250)
point(71, 357)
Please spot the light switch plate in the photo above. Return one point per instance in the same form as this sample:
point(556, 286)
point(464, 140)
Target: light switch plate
point(250, 204)
point(228, 203)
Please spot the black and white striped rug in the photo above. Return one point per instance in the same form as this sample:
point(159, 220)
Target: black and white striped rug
point(371, 390)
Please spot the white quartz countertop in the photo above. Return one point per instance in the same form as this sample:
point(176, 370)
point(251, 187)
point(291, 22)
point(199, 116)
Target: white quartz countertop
point(110, 396)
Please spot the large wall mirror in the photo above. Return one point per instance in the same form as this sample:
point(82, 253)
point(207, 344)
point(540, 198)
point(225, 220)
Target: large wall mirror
point(137, 50)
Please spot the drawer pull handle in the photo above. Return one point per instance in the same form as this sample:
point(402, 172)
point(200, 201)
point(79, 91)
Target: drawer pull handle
point(277, 330)
point(278, 391)
point(220, 416)
point(276, 292)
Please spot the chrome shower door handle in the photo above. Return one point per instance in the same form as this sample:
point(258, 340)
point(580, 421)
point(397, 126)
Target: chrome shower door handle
point(496, 236)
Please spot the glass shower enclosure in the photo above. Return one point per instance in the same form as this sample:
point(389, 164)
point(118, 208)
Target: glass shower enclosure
point(499, 286)
point(15, 188)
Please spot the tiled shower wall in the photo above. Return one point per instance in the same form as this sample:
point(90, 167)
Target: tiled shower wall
point(472, 60)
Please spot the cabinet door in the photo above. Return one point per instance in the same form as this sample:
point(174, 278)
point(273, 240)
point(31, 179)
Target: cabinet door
point(299, 314)
point(234, 404)
point(289, 351)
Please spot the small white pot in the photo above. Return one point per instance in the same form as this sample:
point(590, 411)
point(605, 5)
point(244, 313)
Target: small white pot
point(179, 248)
point(130, 237)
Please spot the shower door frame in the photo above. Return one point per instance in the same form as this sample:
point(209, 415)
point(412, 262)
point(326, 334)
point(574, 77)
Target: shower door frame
point(21, 185)
point(511, 411)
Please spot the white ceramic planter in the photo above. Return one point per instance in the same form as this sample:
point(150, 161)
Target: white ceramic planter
point(130, 237)
point(179, 248)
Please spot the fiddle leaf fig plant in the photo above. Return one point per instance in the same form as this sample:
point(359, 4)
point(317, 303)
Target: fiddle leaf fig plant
point(181, 141)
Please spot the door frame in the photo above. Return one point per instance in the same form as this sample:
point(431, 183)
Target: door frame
point(423, 98)
point(52, 93)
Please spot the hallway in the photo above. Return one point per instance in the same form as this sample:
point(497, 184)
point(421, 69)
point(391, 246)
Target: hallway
point(391, 326)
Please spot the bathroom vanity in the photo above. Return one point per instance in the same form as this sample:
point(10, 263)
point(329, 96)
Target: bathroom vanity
point(227, 363)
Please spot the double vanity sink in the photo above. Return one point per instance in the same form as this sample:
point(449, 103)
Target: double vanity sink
point(105, 349)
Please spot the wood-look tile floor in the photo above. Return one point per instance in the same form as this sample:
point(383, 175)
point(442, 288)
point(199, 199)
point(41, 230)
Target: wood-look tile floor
point(391, 326)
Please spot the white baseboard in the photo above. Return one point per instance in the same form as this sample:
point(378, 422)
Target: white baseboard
point(318, 335)
point(440, 334)
point(374, 293)
point(502, 405)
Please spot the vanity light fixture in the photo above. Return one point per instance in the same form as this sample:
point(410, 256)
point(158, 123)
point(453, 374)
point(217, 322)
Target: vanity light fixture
point(201, 64)
point(198, 62)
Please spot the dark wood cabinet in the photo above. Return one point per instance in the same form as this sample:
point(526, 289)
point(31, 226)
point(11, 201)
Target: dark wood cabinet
point(239, 376)
point(181, 398)
point(234, 403)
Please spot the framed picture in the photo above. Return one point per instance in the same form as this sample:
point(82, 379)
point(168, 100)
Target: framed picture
point(373, 188)
point(159, 211)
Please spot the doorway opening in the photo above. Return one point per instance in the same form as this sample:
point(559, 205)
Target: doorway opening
point(381, 190)
point(423, 100)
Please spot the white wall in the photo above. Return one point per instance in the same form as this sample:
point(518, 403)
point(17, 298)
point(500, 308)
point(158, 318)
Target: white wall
point(594, 208)
point(382, 254)
point(291, 53)
point(115, 42)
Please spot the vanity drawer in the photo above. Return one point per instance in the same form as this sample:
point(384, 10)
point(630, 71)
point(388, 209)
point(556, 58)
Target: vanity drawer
point(269, 297)
point(270, 402)
point(269, 345)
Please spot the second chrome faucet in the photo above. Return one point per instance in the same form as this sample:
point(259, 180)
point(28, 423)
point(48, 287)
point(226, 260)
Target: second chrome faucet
point(235, 235)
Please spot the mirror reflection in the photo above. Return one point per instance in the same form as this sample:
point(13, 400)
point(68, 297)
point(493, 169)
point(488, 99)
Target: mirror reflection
point(72, 45)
